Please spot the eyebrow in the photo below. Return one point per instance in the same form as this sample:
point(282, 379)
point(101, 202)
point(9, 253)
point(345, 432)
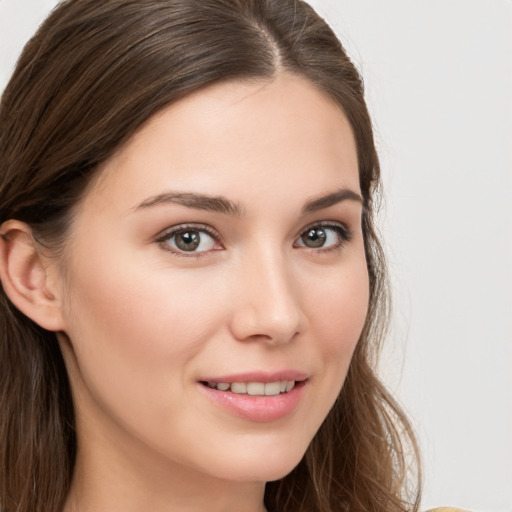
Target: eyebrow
point(343, 194)
point(219, 204)
point(216, 204)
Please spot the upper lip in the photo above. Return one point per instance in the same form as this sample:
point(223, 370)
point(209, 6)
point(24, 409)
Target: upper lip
point(258, 376)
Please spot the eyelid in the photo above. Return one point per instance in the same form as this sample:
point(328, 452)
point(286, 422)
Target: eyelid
point(342, 229)
point(171, 231)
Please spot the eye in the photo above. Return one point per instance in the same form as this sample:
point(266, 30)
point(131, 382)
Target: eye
point(324, 237)
point(190, 239)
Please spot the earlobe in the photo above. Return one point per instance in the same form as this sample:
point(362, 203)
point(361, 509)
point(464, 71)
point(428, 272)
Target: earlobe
point(24, 276)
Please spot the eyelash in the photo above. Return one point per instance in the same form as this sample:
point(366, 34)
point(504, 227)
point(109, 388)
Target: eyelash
point(183, 228)
point(342, 231)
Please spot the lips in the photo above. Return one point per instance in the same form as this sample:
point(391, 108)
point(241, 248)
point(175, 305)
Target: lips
point(257, 396)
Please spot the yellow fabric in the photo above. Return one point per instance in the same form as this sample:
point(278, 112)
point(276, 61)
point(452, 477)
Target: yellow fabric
point(447, 509)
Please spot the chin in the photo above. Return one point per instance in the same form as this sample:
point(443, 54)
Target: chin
point(260, 465)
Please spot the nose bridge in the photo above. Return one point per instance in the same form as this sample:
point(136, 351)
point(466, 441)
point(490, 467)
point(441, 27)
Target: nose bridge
point(268, 302)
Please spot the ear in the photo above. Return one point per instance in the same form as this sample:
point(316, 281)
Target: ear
point(28, 276)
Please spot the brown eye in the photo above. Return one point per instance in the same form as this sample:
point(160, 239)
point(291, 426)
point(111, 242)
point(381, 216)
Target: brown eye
point(324, 237)
point(190, 240)
point(314, 238)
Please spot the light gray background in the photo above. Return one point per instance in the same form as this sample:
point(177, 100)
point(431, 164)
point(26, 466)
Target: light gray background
point(438, 75)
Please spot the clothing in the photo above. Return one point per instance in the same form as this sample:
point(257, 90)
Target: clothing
point(446, 509)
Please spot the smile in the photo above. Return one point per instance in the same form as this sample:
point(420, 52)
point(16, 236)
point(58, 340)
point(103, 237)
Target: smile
point(254, 388)
point(257, 396)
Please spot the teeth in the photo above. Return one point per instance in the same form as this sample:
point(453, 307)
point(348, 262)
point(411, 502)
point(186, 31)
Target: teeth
point(254, 388)
point(239, 387)
point(272, 388)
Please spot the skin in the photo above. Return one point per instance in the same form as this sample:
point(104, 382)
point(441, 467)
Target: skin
point(143, 323)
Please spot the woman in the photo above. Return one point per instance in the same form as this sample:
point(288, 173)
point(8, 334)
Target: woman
point(194, 294)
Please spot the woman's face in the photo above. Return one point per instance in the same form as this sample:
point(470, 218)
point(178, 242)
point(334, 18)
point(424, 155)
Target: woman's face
point(217, 262)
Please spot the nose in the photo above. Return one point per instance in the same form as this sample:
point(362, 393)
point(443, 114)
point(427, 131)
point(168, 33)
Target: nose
point(267, 304)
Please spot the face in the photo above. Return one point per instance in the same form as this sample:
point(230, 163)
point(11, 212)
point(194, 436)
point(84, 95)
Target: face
point(216, 282)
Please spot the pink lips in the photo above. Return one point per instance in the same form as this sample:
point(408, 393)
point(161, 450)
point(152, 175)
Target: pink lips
point(257, 408)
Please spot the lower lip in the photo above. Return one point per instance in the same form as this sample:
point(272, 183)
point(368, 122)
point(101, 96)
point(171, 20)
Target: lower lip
point(261, 409)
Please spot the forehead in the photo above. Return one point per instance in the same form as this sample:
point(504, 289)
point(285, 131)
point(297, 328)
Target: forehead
point(247, 137)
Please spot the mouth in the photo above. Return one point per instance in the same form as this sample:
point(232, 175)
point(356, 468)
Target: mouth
point(262, 400)
point(254, 388)
point(258, 396)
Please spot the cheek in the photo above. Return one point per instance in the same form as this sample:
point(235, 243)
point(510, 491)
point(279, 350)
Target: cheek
point(340, 308)
point(337, 312)
point(135, 304)
point(133, 328)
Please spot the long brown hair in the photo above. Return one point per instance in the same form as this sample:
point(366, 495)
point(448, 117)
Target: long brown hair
point(91, 76)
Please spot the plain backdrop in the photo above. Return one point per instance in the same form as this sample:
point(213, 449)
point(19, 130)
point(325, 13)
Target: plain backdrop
point(438, 77)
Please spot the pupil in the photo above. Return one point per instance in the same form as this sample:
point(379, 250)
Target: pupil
point(188, 241)
point(314, 238)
